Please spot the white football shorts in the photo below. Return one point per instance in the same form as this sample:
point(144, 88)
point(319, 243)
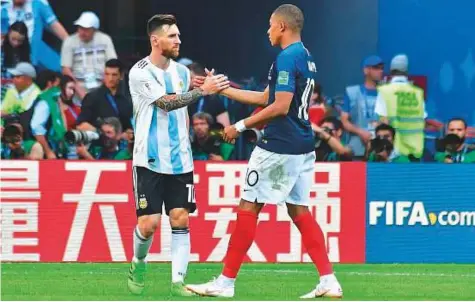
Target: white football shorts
point(274, 178)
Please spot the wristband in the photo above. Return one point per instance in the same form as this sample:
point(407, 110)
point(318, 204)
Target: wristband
point(240, 127)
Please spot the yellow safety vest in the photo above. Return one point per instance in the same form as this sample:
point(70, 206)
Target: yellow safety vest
point(405, 109)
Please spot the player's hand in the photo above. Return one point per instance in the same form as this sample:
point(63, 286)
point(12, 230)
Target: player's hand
point(230, 134)
point(197, 81)
point(214, 84)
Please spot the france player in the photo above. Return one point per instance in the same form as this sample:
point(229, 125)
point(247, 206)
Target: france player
point(162, 160)
point(281, 168)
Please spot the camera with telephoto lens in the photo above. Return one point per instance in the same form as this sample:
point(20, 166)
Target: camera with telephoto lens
point(252, 135)
point(380, 144)
point(450, 142)
point(78, 137)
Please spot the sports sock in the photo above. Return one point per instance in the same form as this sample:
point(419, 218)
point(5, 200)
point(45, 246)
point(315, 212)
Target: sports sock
point(240, 242)
point(141, 245)
point(314, 242)
point(180, 253)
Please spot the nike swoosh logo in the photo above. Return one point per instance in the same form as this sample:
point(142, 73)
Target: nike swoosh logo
point(246, 190)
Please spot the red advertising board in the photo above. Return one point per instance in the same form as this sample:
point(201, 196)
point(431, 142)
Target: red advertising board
point(84, 211)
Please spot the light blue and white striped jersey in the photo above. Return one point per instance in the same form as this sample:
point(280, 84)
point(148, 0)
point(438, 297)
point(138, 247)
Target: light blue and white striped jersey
point(162, 142)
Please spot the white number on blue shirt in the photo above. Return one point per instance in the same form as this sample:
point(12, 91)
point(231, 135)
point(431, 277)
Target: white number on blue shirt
point(306, 95)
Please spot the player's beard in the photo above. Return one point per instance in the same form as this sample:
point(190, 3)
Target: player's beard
point(171, 53)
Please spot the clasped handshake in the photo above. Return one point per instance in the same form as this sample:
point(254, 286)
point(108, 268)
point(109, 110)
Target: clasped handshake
point(211, 83)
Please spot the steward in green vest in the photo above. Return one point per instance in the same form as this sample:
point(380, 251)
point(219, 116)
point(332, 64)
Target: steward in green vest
point(400, 104)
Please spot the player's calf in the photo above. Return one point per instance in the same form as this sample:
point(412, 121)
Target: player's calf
point(180, 248)
point(143, 236)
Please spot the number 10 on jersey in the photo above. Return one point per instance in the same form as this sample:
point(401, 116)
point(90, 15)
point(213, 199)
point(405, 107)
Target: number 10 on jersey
point(306, 95)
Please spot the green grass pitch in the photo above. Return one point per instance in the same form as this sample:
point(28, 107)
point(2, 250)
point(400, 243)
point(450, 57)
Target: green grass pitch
point(107, 281)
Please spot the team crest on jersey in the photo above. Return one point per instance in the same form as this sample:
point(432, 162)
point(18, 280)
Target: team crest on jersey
point(182, 85)
point(142, 202)
point(283, 78)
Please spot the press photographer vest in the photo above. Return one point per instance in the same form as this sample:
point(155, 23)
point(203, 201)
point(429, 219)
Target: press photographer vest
point(405, 109)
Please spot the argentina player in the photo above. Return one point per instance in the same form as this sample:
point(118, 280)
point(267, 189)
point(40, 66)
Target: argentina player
point(162, 159)
point(281, 168)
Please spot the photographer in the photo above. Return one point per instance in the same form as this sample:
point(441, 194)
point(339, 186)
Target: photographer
point(207, 143)
point(107, 147)
point(14, 147)
point(381, 148)
point(452, 148)
point(328, 145)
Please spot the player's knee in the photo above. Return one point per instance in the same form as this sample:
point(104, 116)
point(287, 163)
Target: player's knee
point(253, 207)
point(179, 218)
point(148, 224)
point(296, 210)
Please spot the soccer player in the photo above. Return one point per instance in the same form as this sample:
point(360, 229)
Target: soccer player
point(162, 159)
point(281, 167)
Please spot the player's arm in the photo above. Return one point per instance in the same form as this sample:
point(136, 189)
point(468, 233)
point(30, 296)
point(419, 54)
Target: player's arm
point(247, 96)
point(280, 107)
point(211, 85)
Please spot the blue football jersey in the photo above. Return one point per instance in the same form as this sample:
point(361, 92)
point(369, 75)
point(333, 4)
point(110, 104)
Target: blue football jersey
point(293, 71)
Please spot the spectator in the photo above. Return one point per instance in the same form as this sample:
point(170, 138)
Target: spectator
point(106, 101)
point(53, 116)
point(211, 104)
point(207, 144)
point(47, 79)
point(108, 148)
point(21, 97)
point(381, 148)
point(358, 115)
point(14, 147)
point(15, 48)
point(317, 107)
point(453, 148)
point(329, 147)
point(401, 105)
point(84, 54)
point(37, 15)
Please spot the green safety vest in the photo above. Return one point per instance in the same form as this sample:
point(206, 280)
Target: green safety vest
point(13, 104)
point(405, 109)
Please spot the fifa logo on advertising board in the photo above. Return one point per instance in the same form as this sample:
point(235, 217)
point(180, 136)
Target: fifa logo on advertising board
point(414, 213)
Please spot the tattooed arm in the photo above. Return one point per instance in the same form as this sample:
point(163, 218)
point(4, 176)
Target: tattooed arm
point(171, 102)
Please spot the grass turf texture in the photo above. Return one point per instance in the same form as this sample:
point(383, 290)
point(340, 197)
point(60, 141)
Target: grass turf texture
point(108, 281)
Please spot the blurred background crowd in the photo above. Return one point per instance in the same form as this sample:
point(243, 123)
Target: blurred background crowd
point(65, 92)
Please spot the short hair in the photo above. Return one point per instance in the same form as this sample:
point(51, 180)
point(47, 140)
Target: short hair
point(115, 63)
point(114, 122)
point(203, 116)
point(46, 76)
point(157, 21)
point(457, 119)
point(197, 68)
point(387, 127)
point(292, 15)
point(337, 124)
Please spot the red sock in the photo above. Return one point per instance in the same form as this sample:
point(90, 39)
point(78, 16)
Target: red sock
point(314, 242)
point(240, 242)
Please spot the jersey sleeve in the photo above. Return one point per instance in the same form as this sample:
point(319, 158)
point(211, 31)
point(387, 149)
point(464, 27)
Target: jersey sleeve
point(144, 86)
point(46, 12)
point(286, 71)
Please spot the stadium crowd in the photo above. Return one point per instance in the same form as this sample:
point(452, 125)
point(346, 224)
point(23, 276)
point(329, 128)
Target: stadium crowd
point(84, 110)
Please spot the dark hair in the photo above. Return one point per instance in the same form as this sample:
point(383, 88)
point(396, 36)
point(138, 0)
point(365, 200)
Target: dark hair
point(203, 116)
point(292, 15)
point(334, 121)
point(114, 122)
point(65, 79)
point(46, 76)
point(115, 63)
point(13, 56)
point(158, 21)
point(318, 90)
point(387, 127)
point(197, 68)
point(457, 119)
